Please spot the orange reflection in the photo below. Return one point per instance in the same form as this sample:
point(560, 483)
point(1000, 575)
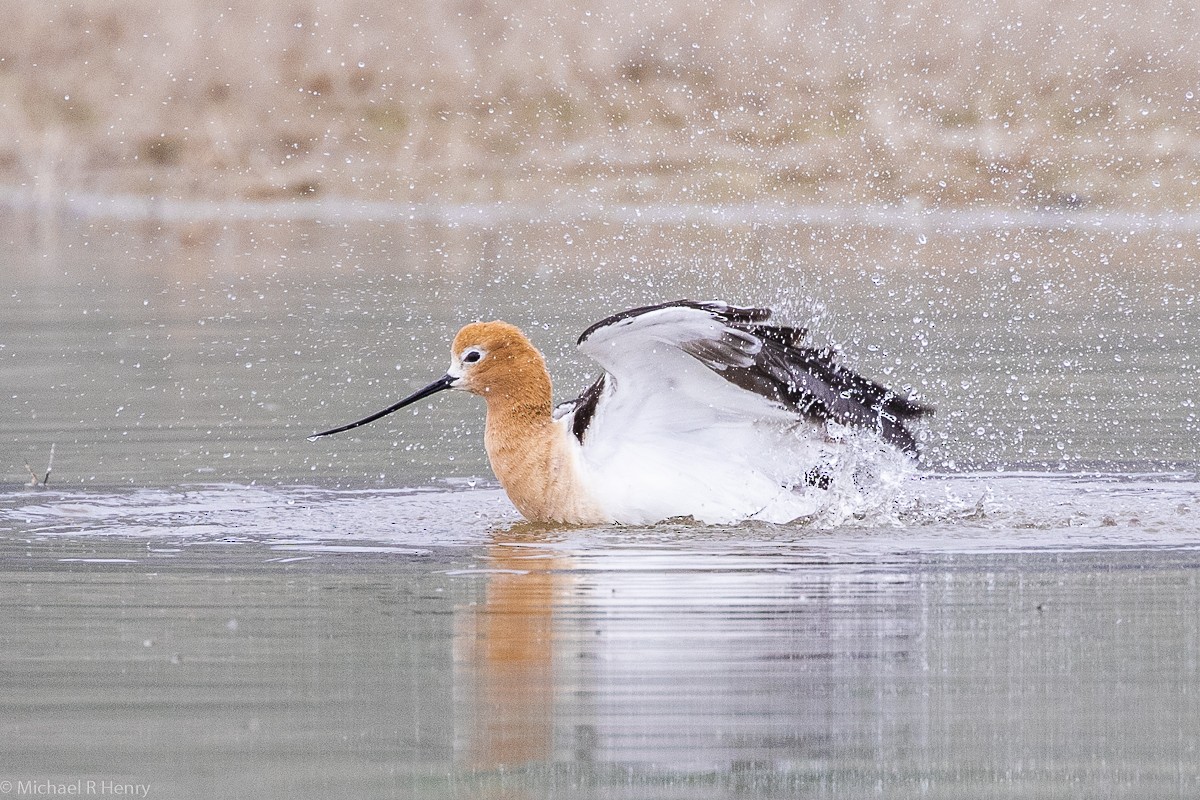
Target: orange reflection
point(508, 649)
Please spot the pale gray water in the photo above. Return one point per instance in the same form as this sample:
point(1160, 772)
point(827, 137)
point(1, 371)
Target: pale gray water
point(205, 603)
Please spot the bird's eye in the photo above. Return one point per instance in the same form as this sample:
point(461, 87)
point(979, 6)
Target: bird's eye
point(471, 356)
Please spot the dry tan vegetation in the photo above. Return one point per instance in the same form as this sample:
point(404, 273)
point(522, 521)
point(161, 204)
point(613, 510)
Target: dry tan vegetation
point(996, 103)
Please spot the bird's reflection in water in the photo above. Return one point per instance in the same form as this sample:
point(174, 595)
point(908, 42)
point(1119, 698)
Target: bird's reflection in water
point(505, 651)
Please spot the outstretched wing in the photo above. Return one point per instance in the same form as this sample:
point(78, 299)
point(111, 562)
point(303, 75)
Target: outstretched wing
point(640, 352)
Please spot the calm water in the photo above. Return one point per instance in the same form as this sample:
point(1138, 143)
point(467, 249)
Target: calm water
point(206, 604)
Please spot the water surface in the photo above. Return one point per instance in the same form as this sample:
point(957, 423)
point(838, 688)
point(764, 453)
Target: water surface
point(203, 602)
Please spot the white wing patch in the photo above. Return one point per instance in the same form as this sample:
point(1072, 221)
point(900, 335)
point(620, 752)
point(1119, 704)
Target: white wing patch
point(669, 429)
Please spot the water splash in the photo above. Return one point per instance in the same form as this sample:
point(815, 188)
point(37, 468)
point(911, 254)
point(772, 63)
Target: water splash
point(868, 483)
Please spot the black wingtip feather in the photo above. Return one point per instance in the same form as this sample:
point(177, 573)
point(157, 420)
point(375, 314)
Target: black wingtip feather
point(585, 409)
point(812, 381)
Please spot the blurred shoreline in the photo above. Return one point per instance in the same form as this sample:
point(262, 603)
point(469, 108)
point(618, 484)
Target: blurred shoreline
point(767, 212)
point(1076, 107)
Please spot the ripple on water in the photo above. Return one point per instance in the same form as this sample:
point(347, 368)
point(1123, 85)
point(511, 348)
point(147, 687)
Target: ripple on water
point(298, 518)
point(928, 512)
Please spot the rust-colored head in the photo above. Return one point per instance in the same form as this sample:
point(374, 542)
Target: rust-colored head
point(497, 362)
point(491, 359)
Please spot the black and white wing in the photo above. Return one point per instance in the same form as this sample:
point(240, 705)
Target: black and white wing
point(741, 346)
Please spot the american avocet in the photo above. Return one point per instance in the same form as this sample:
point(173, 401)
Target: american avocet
point(703, 410)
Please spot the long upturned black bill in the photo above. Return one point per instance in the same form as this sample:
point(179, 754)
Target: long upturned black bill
point(444, 382)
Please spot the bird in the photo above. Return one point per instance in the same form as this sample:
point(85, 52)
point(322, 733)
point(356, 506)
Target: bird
point(703, 410)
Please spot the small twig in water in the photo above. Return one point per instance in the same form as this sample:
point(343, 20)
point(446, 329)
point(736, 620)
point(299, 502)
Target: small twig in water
point(35, 480)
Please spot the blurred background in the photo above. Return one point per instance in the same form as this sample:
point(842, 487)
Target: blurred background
point(1005, 103)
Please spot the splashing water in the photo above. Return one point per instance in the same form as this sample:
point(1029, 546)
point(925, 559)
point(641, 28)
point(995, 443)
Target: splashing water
point(870, 482)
